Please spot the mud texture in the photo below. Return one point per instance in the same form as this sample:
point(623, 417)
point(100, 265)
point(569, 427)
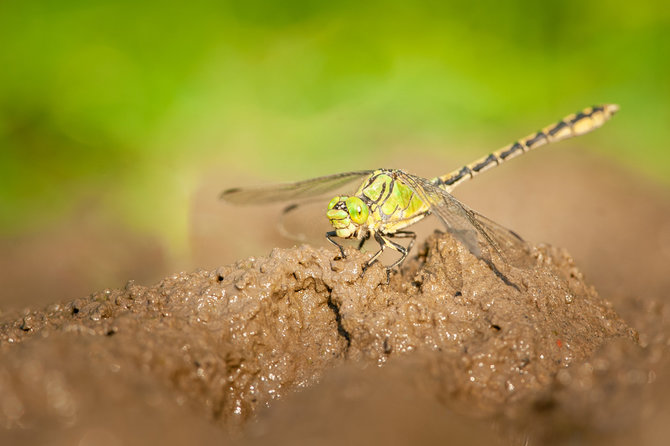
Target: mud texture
point(446, 350)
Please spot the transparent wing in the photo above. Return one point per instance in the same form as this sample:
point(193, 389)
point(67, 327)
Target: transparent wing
point(291, 191)
point(479, 234)
point(507, 244)
point(296, 212)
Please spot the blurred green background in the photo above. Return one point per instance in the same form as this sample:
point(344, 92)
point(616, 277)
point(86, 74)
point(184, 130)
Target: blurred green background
point(125, 104)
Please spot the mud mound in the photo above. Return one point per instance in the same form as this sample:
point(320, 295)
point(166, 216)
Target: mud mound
point(223, 344)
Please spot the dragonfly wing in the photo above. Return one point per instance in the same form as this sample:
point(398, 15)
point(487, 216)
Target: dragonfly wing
point(476, 232)
point(291, 191)
point(507, 244)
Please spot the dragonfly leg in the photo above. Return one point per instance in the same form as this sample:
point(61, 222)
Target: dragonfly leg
point(329, 236)
point(383, 243)
point(405, 234)
point(365, 238)
point(401, 249)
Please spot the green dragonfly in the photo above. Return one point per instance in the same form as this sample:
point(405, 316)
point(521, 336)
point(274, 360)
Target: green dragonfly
point(389, 200)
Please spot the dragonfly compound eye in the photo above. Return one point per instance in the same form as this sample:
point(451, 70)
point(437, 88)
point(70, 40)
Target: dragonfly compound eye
point(358, 211)
point(333, 202)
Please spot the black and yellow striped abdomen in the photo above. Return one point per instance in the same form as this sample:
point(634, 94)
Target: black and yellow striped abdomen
point(573, 125)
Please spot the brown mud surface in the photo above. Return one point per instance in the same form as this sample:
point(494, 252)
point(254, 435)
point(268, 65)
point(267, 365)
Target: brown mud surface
point(297, 347)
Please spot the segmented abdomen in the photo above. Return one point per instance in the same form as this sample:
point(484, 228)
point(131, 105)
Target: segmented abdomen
point(573, 125)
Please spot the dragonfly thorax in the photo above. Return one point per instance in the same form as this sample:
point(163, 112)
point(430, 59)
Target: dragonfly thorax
point(347, 215)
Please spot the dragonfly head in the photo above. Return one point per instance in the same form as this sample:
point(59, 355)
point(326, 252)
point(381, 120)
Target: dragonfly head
point(347, 215)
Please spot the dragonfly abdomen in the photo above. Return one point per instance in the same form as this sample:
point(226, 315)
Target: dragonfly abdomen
point(573, 125)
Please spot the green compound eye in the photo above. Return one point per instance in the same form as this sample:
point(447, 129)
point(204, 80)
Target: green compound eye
point(358, 211)
point(333, 202)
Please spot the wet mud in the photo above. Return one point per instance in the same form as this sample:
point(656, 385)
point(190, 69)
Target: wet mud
point(225, 344)
point(300, 348)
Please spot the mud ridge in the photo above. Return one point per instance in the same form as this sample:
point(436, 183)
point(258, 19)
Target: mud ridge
point(225, 345)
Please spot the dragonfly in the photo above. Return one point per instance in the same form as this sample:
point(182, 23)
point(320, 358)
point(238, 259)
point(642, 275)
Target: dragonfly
point(388, 201)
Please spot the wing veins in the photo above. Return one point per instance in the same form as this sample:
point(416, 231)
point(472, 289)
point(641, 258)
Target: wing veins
point(291, 191)
point(467, 226)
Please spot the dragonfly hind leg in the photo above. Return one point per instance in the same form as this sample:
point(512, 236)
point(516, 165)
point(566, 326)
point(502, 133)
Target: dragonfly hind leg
point(404, 234)
point(385, 242)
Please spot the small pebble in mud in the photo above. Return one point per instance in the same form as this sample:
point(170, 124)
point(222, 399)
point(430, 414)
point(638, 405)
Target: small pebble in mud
point(27, 323)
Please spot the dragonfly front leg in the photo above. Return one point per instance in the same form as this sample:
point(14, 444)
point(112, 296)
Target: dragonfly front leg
point(330, 234)
point(364, 239)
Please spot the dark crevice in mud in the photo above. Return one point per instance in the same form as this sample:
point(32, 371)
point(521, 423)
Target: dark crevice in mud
point(387, 346)
point(338, 319)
